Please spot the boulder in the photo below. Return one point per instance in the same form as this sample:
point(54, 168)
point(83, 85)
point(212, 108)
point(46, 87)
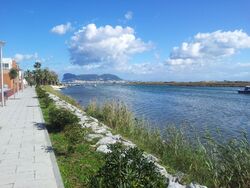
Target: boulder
point(91, 137)
point(108, 140)
point(103, 149)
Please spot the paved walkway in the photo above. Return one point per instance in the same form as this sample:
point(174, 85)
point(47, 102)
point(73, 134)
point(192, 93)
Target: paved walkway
point(26, 158)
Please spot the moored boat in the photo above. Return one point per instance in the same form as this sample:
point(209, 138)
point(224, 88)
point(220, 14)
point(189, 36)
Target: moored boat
point(245, 91)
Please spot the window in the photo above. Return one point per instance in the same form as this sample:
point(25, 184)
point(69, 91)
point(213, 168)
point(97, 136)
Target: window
point(5, 65)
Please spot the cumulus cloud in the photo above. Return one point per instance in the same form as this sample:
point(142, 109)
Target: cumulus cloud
point(105, 46)
point(128, 15)
point(25, 57)
point(141, 68)
point(209, 47)
point(61, 29)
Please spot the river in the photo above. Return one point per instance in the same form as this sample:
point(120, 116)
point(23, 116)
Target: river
point(202, 108)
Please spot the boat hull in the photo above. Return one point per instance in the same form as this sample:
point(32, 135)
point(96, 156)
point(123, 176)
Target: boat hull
point(243, 92)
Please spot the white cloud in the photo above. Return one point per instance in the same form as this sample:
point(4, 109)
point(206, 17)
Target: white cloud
point(128, 15)
point(141, 68)
point(105, 46)
point(61, 29)
point(209, 47)
point(25, 57)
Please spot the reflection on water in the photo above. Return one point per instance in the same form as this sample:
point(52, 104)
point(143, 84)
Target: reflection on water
point(202, 107)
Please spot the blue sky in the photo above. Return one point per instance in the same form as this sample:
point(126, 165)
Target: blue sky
point(137, 40)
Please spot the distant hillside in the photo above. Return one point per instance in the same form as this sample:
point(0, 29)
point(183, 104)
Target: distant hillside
point(67, 77)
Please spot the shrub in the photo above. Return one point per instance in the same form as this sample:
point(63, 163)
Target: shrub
point(46, 100)
point(210, 161)
point(63, 97)
point(74, 135)
point(229, 162)
point(127, 168)
point(59, 118)
point(40, 92)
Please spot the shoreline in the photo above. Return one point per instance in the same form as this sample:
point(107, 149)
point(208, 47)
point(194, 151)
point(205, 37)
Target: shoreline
point(103, 135)
point(196, 84)
point(176, 155)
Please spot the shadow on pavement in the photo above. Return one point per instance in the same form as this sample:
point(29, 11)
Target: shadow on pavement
point(40, 126)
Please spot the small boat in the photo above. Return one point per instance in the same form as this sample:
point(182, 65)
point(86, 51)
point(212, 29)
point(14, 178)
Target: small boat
point(245, 91)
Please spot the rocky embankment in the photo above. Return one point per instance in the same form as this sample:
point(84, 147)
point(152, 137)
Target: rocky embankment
point(103, 137)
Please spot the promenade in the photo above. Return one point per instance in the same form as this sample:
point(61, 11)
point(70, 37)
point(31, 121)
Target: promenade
point(26, 156)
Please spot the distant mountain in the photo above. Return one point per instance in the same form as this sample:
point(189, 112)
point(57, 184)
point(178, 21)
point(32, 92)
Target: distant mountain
point(68, 77)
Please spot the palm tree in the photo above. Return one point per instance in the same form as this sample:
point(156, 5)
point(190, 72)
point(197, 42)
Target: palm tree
point(46, 76)
point(38, 73)
point(13, 75)
point(28, 75)
point(37, 65)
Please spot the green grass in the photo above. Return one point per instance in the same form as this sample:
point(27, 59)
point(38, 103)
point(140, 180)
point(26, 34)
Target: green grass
point(61, 96)
point(76, 168)
point(201, 159)
point(210, 162)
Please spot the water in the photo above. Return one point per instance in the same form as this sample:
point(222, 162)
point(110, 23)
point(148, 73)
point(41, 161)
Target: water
point(203, 108)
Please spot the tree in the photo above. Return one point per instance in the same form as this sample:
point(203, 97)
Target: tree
point(29, 77)
point(13, 75)
point(41, 76)
point(37, 65)
point(37, 73)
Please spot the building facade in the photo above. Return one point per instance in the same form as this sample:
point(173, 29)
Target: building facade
point(8, 64)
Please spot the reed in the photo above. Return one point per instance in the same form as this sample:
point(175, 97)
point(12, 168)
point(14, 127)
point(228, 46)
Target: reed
point(62, 96)
point(223, 163)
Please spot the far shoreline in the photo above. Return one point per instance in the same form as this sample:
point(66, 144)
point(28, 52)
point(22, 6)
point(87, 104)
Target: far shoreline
point(198, 84)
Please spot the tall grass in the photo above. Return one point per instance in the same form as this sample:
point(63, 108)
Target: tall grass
point(201, 158)
point(77, 159)
point(61, 96)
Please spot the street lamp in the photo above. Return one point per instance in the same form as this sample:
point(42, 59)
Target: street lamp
point(1, 67)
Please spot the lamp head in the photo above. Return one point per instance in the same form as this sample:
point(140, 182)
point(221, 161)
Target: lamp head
point(2, 43)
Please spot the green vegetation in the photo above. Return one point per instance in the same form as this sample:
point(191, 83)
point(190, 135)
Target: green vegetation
point(127, 168)
point(60, 119)
point(61, 96)
point(77, 159)
point(79, 163)
point(41, 76)
point(13, 73)
point(202, 159)
point(199, 84)
point(74, 135)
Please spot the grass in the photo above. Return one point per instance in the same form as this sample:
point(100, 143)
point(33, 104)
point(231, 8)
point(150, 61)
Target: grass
point(78, 167)
point(201, 159)
point(61, 96)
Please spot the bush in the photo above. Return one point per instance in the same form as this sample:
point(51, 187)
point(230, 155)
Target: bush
point(59, 118)
point(74, 135)
point(127, 168)
point(46, 100)
point(207, 160)
point(40, 92)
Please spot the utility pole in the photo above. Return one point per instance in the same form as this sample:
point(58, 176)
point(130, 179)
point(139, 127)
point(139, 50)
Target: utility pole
point(1, 67)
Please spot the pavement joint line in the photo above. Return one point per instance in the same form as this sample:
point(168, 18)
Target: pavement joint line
point(21, 146)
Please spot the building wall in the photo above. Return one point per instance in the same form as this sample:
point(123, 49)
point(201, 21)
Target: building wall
point(6, 79)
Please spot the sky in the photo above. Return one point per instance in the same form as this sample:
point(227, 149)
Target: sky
point(150, 40)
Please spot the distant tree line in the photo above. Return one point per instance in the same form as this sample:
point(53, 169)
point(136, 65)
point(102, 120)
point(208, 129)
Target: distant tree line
point(40, 76)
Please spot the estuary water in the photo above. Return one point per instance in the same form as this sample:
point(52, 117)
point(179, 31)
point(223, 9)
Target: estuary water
point(212, 108)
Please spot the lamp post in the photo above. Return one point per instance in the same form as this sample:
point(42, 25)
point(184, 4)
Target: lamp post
point(1, 66)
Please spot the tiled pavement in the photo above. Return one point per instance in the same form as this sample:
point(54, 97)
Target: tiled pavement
point(26, 158)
